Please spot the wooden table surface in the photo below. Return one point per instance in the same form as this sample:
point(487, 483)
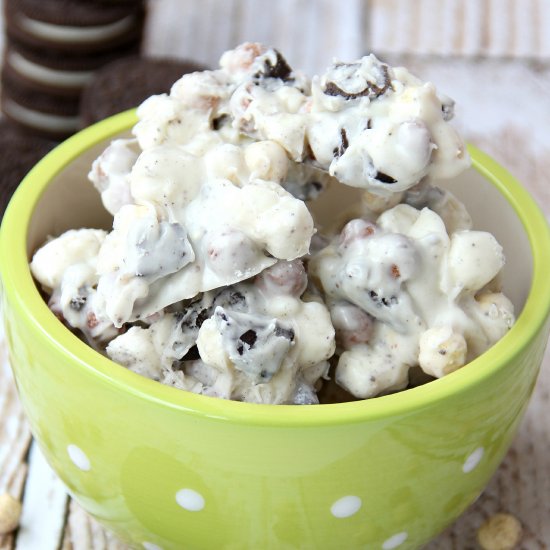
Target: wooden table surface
point(493, 58)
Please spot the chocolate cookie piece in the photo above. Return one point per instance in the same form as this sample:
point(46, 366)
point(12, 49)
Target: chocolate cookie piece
point(342, 81)
point(52, 73)
point(19, 152)
point(126, 83)
point(74, 25)
point(42, 114)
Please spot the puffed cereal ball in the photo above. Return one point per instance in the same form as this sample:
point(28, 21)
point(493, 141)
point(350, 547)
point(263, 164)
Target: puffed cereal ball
point(496, 314)
point(10, 512)
point(266, 160)
point(500, 532)
point(353, 325)
point(283, 278)
point(441, 351)
point(475, 257)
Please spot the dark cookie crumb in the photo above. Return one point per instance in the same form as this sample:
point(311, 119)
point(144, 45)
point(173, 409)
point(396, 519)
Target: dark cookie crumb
point(384, 178)
point(282, 332)
point(281, 69)
point(235, 298)
point(447, 110)
point(201, 317)
point(223, 317)
point(387, 302)
point(249, 337)
point(372, 90)
point(193, 317)
point(78, 302)
point(344, 144)
point(219, 121)
point(391, 301)
point(192, 354)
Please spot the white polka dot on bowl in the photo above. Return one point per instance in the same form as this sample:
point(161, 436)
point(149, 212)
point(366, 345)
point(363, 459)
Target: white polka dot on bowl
point(78, 458)
point(346, 506)
point(395, 541)
point(473, 460)
point(190, 500)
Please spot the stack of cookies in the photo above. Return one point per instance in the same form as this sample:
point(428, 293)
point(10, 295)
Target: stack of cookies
point(53, 48)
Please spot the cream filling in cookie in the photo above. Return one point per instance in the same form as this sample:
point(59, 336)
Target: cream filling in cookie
point(64, 34)
point(46, 75)
point(41, 121)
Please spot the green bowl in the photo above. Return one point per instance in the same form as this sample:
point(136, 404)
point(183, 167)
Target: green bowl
point(168, 469)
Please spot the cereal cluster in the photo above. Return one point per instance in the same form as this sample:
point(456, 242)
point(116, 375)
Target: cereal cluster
point(216, 277)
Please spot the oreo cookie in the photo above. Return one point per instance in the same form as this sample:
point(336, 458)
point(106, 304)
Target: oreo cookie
point(52, 73)
point(52, 51)
point(127, 82)
point(74, 25)
point(42, 114)
point(19, 152)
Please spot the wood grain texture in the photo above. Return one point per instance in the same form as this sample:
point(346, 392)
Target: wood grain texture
point(492, 28)
point(15, 438)
point(304, 30)
point(44, 506)
point(84, 533)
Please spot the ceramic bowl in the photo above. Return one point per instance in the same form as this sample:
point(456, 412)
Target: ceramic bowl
point(168, 469)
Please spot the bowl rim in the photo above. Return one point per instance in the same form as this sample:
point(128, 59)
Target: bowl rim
point(19, 289)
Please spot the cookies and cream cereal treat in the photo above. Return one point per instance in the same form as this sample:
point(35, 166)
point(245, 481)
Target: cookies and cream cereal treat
point(216, 278)
point(405, 291)
point(366, 123)
point(254, 341)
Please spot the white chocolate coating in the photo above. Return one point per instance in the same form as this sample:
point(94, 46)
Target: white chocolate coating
point(67, 269)
point(110, 174)
point(201, 283)
point(419, 286)
point(367, 124)
point(257, 342)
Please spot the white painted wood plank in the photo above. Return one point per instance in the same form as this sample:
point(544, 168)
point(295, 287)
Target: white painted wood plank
point(44, 507)
point(15, 437)
point(14, 488)
point(473, 28)
point(14, 431)
point(78, 523)
point(308, 33)
point(221, 35)
point(496, 28)
point(542, 15)
point(84, 533)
